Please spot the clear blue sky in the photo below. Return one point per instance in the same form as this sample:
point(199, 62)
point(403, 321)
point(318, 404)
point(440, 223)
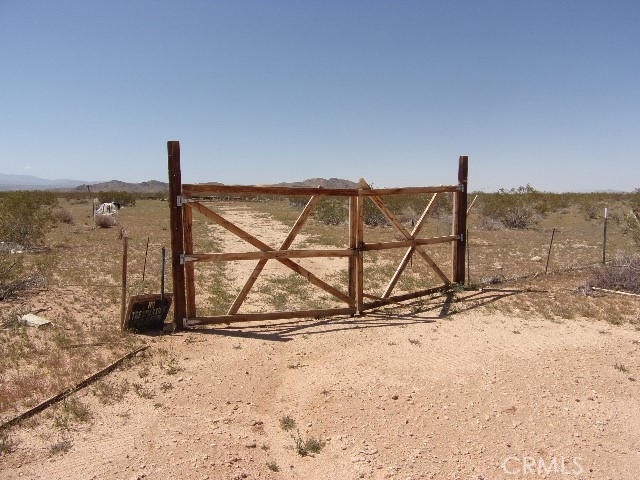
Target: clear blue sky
point(539, 92)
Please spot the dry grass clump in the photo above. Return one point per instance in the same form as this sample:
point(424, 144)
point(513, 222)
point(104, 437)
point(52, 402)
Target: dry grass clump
point(63, 216)
point(623, 273)
point(491, 224)
point(105, 221)
point(14, 277)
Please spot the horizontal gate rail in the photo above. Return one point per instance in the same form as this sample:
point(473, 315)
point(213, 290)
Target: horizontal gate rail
point(186, 198)
point(204, 190)
point(253, 317)
point(270, 255)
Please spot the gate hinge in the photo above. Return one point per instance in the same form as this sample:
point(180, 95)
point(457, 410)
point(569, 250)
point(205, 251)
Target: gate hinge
point(460, 187)
point(461, 237)
point(186, 258)
point(181, 200)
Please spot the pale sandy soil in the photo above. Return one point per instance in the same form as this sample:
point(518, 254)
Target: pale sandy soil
point(430, 390)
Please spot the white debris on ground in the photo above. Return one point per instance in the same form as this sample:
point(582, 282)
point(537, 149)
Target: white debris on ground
point(11, 247)
point(32, 320)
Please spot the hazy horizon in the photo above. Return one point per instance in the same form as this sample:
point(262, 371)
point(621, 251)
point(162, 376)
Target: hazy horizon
point(93, 182)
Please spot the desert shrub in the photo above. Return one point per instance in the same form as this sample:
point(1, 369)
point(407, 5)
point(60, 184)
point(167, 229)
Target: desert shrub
point(443, 205)
point(591, 212)
point(633, 219)
point(310, 445)
point(516, 208)
point(25, 217)
point(332, 211)
point(488, 223)
point(63, 216)
point(297, 201)
point(406, 208)
point(631, 226)
point(372, 215)
point(17, 274)
point(125, 199)
point(105, 221)
point(335, 211)
point(10, 278)
point(622, 273)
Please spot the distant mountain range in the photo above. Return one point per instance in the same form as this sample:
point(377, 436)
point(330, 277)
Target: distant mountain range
point(320, 182)
point(117, 186)
point(29, 182)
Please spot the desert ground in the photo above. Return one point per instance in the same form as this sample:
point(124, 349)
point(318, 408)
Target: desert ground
point(535, 377)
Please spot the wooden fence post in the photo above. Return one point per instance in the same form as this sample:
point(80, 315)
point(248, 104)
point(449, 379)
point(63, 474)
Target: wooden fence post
point(460, 221)
point(177, 234)
point(604, 236)
point(123, 300)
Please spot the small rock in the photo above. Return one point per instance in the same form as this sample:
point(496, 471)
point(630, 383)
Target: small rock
point(536, 259)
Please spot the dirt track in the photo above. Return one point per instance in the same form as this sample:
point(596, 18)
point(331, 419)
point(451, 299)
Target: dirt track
point(393, 396)
point(431, 390)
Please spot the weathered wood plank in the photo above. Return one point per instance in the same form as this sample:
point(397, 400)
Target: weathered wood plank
point(353, 242)
point(252, 317)
point(403, 297)
point(396, 276)
point(408, 190)
point(360, 258)
point(460, 222)
point(177, 234)
point(189, 273)
point(195, 190)
point(269, 255)
point(423, 218)
point(407, 243)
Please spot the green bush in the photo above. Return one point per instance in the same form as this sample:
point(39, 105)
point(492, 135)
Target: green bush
point(26, 216)
point(516, 208)
point(125, 199)
point(332, 211)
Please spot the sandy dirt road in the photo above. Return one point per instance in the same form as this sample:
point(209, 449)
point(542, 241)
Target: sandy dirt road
point(429, 390)
point(390, 395)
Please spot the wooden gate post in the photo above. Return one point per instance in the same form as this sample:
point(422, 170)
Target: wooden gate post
point(177, 234)
point(359, 227)
point(353, 245)
point(460, 221)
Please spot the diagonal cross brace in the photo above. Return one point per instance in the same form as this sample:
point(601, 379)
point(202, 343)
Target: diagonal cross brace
point(306, 212)
point(247, 237)
point(408, 236)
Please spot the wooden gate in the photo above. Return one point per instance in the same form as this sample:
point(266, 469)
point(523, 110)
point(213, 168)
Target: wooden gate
point(187, 198)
